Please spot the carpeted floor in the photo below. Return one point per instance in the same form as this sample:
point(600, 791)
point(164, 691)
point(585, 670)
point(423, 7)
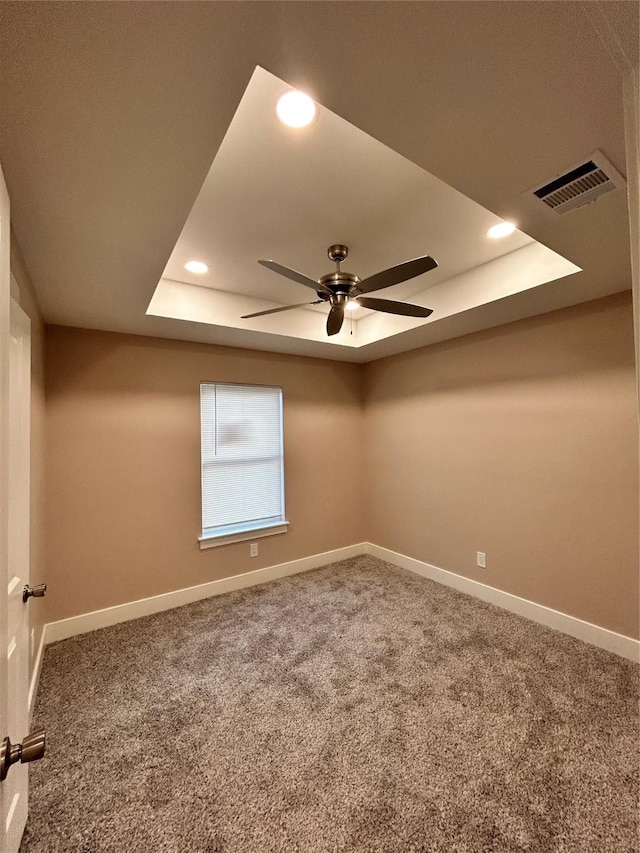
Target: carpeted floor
point(354, 708)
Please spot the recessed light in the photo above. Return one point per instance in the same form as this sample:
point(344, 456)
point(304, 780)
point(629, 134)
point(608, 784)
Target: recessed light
point(502, 229)
point(296, 109)
point(197, 267)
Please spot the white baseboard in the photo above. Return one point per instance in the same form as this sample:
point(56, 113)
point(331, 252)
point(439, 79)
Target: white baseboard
point(65, 628)
point(35, 675)
point(626, 647)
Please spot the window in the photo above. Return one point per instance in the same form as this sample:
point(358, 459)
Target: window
point(242, 462)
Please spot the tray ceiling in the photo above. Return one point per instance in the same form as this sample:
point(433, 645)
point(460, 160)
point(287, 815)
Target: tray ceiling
point(115, 114)
point(286, 194)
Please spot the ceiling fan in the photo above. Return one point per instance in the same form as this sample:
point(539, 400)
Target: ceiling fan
point(341, 288)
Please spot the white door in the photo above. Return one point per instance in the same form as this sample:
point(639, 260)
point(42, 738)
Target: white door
point(4, 480)
point(15, 786)
point(15, 383)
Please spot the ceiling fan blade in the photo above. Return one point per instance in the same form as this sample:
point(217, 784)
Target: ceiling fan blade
point(295, 276)
point(277, 310)
point(334, 320)
point(391, 307)
point(394, 275)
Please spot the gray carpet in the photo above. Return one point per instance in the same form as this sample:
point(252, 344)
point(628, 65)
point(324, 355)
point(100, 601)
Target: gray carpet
point(354, 708)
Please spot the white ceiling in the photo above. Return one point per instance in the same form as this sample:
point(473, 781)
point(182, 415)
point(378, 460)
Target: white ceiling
point(112, 114)
point(287, 194)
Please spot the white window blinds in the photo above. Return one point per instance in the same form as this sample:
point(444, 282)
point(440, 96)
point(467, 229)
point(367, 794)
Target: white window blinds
point(242, 470)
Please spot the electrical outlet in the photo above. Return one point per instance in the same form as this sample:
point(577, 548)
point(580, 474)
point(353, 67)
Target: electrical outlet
point(253, 549)
point(481, 559)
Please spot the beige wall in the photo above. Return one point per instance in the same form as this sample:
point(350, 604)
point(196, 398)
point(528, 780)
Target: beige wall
point(29, 304)
point(522, 442)
point(123, 455)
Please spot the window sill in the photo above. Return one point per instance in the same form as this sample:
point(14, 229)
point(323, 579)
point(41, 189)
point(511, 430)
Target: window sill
point(258, 533)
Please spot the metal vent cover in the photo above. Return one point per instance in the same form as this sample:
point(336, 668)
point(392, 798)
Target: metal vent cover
point(580, 185)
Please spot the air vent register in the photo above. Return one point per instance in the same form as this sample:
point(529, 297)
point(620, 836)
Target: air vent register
point(581, 185)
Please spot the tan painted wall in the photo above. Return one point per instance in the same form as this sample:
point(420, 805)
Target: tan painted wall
point(522, 442)
point(123, 455)
point(29, 304)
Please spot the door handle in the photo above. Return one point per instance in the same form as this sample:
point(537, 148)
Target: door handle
point(31, 749)
point(36, 591)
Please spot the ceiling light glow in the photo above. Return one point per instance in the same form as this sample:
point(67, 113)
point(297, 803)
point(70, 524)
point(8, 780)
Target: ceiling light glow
point(296, 109)
point(502, 229)
point(197, 267)
point(352, 305)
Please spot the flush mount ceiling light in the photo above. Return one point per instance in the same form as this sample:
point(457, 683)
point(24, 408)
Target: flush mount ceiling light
point(296, 109)
point(197, 267)
point(502, 229)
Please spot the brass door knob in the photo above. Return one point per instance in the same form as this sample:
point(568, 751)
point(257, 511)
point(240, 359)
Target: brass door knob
point(31, 749)
point(36, 591)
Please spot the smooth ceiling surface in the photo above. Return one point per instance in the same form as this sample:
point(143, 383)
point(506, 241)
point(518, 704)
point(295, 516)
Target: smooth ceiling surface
point(112, 114)
point(277, 192)
point(289, 193)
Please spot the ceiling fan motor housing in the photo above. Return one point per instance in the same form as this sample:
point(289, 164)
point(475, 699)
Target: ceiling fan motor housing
point(341, 283)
